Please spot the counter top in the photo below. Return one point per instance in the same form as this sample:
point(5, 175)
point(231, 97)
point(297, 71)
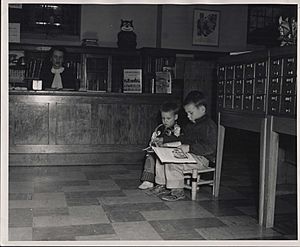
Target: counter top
point(89, 93)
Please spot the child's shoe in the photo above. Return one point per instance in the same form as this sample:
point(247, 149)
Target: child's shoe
point(175, 195)
point(158, 189)
point(146, 185)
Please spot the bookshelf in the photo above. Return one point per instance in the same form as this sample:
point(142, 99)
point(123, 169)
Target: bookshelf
point(102, 68)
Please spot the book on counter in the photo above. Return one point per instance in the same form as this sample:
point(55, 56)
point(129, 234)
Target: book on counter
point(163, 82)
point(132, 81)
point(173, 155)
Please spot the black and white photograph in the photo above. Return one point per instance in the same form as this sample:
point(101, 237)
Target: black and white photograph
point(95, 150)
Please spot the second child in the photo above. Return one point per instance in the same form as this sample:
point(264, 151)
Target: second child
point(168, 131)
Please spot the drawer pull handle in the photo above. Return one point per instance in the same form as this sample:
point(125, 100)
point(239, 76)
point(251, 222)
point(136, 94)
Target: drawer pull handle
point(288, 99)
point(275, 80)
point(290, 72)
point(273, 109)
point(290, 60)
point(289, 80)
point(288, 110)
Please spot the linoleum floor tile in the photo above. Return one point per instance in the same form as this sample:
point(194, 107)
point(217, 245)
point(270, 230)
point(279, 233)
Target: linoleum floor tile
point(103, 237)
point(20, 187)
point(105, 184)
point(184, 225)
point(20, 217)
point(126, 199)
point(20, 196)
point(82, 201)
point(136, 207)
point(236, 232)
point(50, 211)
point(70, 232)
point(20, 234)
point(126, 184)
point(135, 231)
point(51, 200)
point(83, 215)
point(124, 216)
point(52, 221)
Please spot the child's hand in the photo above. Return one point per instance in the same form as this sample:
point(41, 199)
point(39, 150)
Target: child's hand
point(185, 148)
point(158, 141)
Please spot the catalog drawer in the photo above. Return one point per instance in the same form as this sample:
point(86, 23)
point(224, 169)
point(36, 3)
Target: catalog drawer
point(274, 102)
point(229, 72)
point(275, 67)
point(238, 102)
point(248, 102)
point(259, 103)
point(260, 86)
point(289, 66)
point(229, 87)
point(220, 101)
point(288, 105)
point(249, 70)
point(289, 85)
point(221, 72)
point(229, 101)
point(275, 85)
point(238, 87)
point(220, 87)
point(261, 69)
point(239, 71)
point(249, 86)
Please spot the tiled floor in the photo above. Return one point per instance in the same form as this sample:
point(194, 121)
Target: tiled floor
point(103, 203)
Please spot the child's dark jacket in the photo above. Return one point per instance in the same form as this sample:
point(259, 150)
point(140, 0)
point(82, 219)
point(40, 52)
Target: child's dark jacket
point(201, 136)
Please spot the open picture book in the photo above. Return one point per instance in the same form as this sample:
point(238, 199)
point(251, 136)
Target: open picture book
point(173, 155)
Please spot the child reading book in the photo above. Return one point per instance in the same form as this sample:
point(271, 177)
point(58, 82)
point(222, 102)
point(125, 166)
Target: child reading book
point(167, 132)
point(199, 139)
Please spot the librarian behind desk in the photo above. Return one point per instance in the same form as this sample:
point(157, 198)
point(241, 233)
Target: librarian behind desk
point(54, 74)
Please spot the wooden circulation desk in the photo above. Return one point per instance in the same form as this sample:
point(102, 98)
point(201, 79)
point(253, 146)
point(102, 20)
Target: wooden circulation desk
point(80, 128)
point(270, 128)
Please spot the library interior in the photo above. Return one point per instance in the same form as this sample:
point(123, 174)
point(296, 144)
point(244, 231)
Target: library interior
point(86, 88)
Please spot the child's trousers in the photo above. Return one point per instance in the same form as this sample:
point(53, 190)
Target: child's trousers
point(171, 174)
point(149, 168)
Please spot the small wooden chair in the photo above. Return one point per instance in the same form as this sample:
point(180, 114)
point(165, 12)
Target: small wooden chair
point(193, 177)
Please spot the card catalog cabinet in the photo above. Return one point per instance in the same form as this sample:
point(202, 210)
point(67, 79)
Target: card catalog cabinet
point(258, 82)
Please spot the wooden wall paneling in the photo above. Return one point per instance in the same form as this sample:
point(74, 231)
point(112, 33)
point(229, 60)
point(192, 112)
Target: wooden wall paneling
point(121, 124)
point(76, 159)
point(31, 126)
point(52, 123)
point(199, 75)
point(102, 123)
point(73, 124)
point(70, 149)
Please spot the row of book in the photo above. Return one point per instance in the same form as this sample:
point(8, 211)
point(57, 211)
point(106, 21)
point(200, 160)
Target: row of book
point(154, 65)
point(33, 68)
point(132, 81)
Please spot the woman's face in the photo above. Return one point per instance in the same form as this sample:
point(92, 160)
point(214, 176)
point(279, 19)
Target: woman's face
point(57, 59)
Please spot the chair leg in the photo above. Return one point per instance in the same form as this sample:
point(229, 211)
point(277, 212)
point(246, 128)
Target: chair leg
point(194, 183)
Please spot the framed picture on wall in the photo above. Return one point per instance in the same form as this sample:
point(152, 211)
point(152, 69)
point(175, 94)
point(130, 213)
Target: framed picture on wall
point(206, 27)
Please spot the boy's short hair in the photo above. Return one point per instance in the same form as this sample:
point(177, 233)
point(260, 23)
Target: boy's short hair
point(195, 97)
point(169, 107)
